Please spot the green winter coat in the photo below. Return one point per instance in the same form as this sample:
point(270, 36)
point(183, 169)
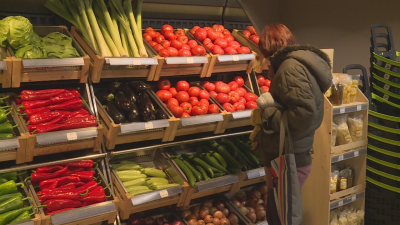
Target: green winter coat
point(302, 75)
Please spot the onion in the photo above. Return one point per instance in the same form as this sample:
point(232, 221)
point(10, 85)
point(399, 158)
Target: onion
point(224, 221)
point(233, 219)
point(219, 205)
point(244, 210)
point(261, 215)
point(241, 196)
point(213, 210)
point(236, 203)
point(196, 213)
point(200, 222)
point(259, 207)
point(253, 202)
point(177, 222)
point(149, 221)
point(191, 216)
point(208, 219)
point(251, 209)
point(207, 204)
point(135, 221)
point(185, 214)
point(193, 222)
point(218, 214)
point(244, 203)
point(252, 217)
point(195, 208)
point(204, 212)
point(216, 221)
point(209, 224)
point(263, 189)
point(225, 211)
point(255, 194)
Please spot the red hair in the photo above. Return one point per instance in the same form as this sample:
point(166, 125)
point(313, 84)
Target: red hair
point(274, 37)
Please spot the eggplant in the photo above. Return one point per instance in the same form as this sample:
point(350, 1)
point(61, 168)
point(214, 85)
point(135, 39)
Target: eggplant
point(122, 102)
point(129, 94)
point(146, 109)
point(133, 114)
point(114, 87)
point(138, 86)
point(104, 96)
point(160, 115)
point(113, 112)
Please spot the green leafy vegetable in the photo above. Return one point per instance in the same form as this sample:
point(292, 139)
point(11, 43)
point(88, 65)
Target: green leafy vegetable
point(31, 52)
point(17, 31)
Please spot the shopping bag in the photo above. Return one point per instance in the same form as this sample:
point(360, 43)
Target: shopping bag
point(287, 192)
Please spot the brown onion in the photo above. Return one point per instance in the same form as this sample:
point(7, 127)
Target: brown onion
point(253, 202)
point(255, 194)
point(261, 215)
point(263, 189)
point(201, 222)
point(196, 214)
point(225, 211)
point(195, 208)
point(192, 222)
point(244, 210)
point(244, 203)
point(224, 221)
point(236, 203)
point(207, 204)
point(216, 221)
point(218, 214)
point(191, 216)
point(208, 219)
point(213, 210)
point(252, 217)
point(241, 196)
point(185, 214)
point(204, 212)
point(251, 209)
point(219, 205)
point(209, 224)
point(259, 207)
point(233, 219)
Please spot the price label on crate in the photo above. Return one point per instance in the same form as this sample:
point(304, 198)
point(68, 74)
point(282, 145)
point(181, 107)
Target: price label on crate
point(385, 96)
point(148, 125)
point(342, 110)
point(358, 107)
point(353, 198)
point(136, 61)
point(388, 66)
point(340, 158)
point(262, 172)
point(189, 60)
point(235, 57)
point(356, 153)
point(386, 76)
point(163, 193)
point(340, 203)
point(386, 87)
point(72, 136)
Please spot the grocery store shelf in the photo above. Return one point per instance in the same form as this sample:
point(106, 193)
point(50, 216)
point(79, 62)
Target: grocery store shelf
point(351, 191)
point(350, 146)
point(347, 200)
point(130, 61)
point(351, 107)
point(348, 155)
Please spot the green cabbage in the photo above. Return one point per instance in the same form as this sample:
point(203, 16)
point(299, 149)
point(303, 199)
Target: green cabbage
point(56, 38)
point(58, 45)
point(31, 52)
point(18, 32)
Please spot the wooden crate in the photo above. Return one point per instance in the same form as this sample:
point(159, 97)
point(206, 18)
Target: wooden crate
point(35, 70)
point(117, 67)
point(5, 69)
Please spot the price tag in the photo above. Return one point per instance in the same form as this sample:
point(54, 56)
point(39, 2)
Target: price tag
point(386, 87)
point(356, 153)
point(72, 136)
point(262, 172)
point(386, 97)
point(235, 58)
point(388, 66)
point(342, 110)
point(163, 193)
point(386, 76)
point(353, 198)
point(340, 158)
point(358, 107)
point(136, 61)
point(340, 203)
point(148, 125)
point(189, 60)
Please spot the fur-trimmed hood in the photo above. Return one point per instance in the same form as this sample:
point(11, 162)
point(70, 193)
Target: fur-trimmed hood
point(315, 60)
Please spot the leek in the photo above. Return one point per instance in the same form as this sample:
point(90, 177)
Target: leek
point(82, 11)
point(75, 14)
point(138, 37)
point(139, 16)
point(60, 10)
point(103, 28)
point(115, 22)
point(124, 41)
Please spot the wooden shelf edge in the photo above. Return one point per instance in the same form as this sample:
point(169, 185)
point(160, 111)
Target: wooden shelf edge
point(347, 147)
point(354, 190)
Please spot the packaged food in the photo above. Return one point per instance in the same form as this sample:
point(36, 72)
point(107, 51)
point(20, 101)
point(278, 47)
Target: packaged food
point(350, 87)
point(334, 134)
point(335, 92)
point(333, 215)
point(334, 180)
point(343, 133)
point(334, 222)
point(350, 177)
point(356, 127)
point(343, 180)
point(360, 217)
point(342, 220)
point(351, 218)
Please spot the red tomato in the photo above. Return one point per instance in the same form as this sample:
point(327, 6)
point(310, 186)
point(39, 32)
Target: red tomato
point(176, 111)
point(206, 41)
point(260, 80)
point(242, 100)
point(164, 95)
point(182, 39)
point(163, 52)
point(187, 107)
point(218, 83)
point(172, 102)
point(230, 50)
point(182, 86)
point(209, 86)
point(176, 44)
point(222, 88)
point(229, 107)
point(193, 101)
point(166, 43)
point(255, 39)
point(164, 84)
point(267, 83)
point(234, 44)
point(207, 28)
point(156, 34)
point(226, 32)
point(166, 27)
point(265, 88)
point(185, 52)
point(233, 97)
point(251, 29)
point(182, 96)
point(209, 46)
point(221, 42)
point(192, 43)
point(186, 47)
point(233, 85)
point(180, 33)
point(216, 50)
point(147, 37)
point(194, 91)
point(158, 47)
point(213, 108)
point(250, 97)
point(152, 33)
point(222, 98)
point(204, 94)
point(239, 106)
point(200, 34)
point(244, 50)
point(213, 94)
point(241, 91)
point(251, 105)
point(218, 27)
point(173, 92)
point(184, 114)
point(169, 35)
point(153, 43)
point(204, 101)
point(148, 29)
point(229, 38)
point(198, 50)
point(246, 33)
point(239, 80)
point(199, 109)
point(159, 39)
point(212, 34)
point(193, 30)
point(221, 35)
point(172, 51)
point(204, 83)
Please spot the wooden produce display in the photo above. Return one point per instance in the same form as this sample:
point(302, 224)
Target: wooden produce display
point(317, 198)
point(117, 67)
point(5, 69)
point(35, 70)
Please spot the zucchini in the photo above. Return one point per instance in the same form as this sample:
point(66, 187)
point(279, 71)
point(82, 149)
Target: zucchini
point(213, 162)
point(219, 158)
point(218, 174)
point(196, 173)
point(162, 186)
point(203, 172)
point(128, 172)
point(125, 178)
point(153, 172)
point(232, 147)
point(158, 180)
point(221, 150)
point(127, 167)
point(233, 170)
point(247, 150)
point(136, 188)
point(136, 192)
point(136, 182)
point(189, 175)
point(215, 170)
point(201, 163)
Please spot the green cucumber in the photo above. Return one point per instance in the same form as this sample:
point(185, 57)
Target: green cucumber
point(213, 162)
point(201, 163)
point(196, 173)
point(247, 150)
point(233, 170)
point(203, 172)
point(232, 147)
point(219, 158)
point(189, 175)
point(221, 150)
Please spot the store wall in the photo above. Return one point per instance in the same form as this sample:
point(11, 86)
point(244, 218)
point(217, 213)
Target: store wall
point(341, 25)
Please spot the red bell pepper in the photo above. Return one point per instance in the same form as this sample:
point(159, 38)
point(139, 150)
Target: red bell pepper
point(46, 176)
point(27, 92)
point(67, 105)
point(30, 112)
point(41, 95)
point(88, 186)
point(66, 96)
point(61, 194)
point(87, 163)
point(71, 124)
point(61, 181)
point(59, 211)
point(56, 120)
point(49, 169)
point(74, 170)
point(57, 204)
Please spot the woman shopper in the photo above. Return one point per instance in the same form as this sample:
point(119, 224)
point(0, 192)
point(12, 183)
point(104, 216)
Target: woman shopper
point(299, 74)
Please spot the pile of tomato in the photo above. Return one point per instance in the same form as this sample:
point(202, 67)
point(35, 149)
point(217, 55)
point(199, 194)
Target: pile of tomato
point(232, 95)
point(185, 101)
point(251, 34)
point(168, 43)
point(263, 83)
point(218, 40)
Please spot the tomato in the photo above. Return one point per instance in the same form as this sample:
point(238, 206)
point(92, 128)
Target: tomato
point(206, 41)
point(163, 52)
point(182, 96)
point(158, 47)
point(233, 97)
point(218, 27)
point(244, 50)
point(222, 88)
point(182, 86)
point(176, 111)
point(193, 30)
point(182, 39)
point(233, 85)
point(251, 105)
point(184, 52)
point(159, 39)
point(153, 43)
point(204, 101)
point(246, 33)
point(250, 97)
point(209, 46)
point(169, 35)
point(200, 34)
point(213, 94)
point(265, 88)
point(221, 42)
point(187, 107)
point(234, 44)
point(173, 92)
point(199, 109)
point(229, 38)
point(239, 80)
point(164, 95)
point(260, 80)
point(147, 37)
point(148, 29)
point(164, 84)
point(251, 29)
point(156, 34)
point(180, 33)
point(184, 114)
point(242, 100)
point(194, 91)
point(192, 43)
point(229, 107)
point(217, 50)
point(205, 83)
point(204, 94)
point(172, 51)
point(255, 39)
point(230, 50)
point(209, 86)
point(212, 34)
point(222, 98)
point(267, 82)
point(193, 101)
point(176, 44)
point(213, 108)
point(186, 47)
point(165, 43)
point(226, 32)
point(152, 33)
point(172, 102)
point(207, 28)
point(221, 35)
point(166, 27)
point(218, 83)
point(239, 106)
point(198, 50)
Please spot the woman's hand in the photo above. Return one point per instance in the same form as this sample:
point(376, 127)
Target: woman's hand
point(254, 145)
